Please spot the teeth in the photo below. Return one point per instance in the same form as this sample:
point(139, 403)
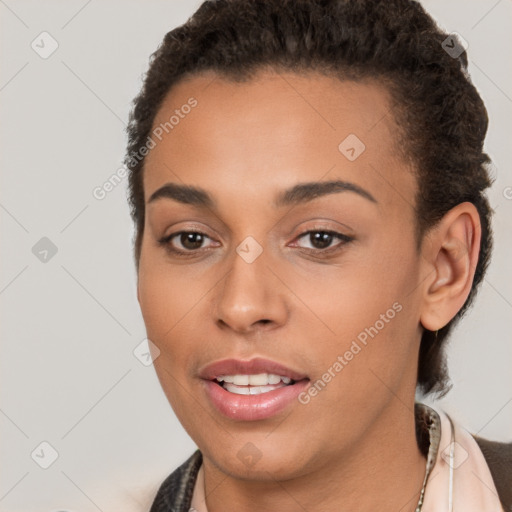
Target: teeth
point(260, 379)
point(241, 380)
point(238, 390)
point(250, 390)
point(275, 379)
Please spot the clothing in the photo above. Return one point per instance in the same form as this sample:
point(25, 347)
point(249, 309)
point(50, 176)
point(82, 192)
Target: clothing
point(463, 472)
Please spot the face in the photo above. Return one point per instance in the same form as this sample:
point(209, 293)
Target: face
point(289, 270)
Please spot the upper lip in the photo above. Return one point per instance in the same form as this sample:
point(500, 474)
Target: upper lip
point(250, 367)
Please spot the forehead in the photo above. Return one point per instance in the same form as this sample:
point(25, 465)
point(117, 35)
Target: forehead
point(277, 127)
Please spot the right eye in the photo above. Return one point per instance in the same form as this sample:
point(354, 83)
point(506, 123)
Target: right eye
point(184, 242)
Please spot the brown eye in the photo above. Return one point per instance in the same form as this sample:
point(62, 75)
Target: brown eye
point(323, 240)
point(191, 240)
point(185, 242)
point(320, 239)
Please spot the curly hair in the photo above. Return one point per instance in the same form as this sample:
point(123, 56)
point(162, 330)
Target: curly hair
point(441, 118)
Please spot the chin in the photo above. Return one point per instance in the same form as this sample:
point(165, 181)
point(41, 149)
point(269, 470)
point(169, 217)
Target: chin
point(256, 458)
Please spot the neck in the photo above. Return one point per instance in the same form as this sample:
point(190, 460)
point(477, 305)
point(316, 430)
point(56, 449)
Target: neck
point(384, 472)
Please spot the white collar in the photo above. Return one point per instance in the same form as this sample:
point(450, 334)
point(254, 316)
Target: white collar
point(460, 479)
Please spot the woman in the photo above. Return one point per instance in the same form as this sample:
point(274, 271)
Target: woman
point(307, 182)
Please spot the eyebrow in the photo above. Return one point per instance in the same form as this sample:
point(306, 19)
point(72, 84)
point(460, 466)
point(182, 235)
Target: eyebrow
point(304, 192)
point(301, 193)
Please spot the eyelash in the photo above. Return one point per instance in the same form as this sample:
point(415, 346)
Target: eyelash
point(344, 239)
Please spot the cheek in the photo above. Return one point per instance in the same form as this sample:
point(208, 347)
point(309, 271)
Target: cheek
point(156, 299)
point(174, 302)
point(365, 313)
point(167, 295)
point(168, 301)
point(348, 298)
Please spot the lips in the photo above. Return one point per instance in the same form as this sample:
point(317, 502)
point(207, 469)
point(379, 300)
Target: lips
point(251, 367)
point(235, 387)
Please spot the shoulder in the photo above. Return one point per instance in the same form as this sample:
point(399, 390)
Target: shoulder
point(175, 492)
point(498, 456)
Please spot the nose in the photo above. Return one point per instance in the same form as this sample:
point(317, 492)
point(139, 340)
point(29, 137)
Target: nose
point(251, 298)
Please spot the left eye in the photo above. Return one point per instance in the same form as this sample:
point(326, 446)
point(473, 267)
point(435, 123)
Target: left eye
point(322, 240)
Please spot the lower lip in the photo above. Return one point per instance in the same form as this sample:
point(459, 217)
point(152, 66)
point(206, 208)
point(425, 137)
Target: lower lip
point(253, 407)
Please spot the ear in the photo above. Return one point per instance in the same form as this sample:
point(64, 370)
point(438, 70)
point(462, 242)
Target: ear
point(450, 254)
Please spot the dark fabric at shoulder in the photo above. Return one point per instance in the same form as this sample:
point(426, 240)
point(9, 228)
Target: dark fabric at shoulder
point(175, 493)
point(499, 459)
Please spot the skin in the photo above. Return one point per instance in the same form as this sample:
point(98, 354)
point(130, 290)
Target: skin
point(244, 143)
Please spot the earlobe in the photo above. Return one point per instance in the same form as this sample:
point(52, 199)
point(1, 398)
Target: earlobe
point(451, 260)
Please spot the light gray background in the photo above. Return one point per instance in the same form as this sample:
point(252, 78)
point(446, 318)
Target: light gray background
point(69, 326)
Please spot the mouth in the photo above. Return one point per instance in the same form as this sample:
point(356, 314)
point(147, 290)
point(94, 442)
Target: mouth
point(253, 384)
point(252, 390)
point(253, 368)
